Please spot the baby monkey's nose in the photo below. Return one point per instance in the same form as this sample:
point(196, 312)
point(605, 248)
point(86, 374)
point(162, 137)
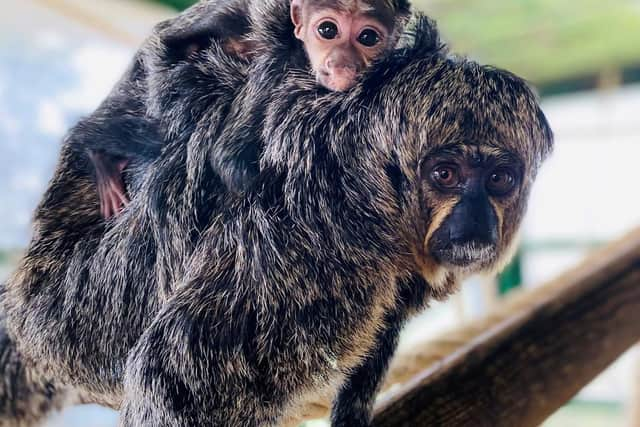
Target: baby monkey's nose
point(342, 63)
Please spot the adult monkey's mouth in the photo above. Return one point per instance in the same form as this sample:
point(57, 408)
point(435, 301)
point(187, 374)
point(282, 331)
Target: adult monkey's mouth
point(468, 256)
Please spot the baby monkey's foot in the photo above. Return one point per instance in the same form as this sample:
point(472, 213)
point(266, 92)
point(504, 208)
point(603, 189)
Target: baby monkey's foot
point(111, 191)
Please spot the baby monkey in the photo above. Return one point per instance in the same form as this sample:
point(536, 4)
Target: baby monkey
point(340, 39)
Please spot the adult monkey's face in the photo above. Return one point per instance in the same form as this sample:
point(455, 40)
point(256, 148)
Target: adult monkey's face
point(480, 137)
point(469, 189)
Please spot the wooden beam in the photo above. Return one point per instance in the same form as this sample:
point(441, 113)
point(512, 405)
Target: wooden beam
point(535, 354)
point(634, 401)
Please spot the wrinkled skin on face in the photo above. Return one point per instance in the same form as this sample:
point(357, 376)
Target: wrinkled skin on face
point(339, 42)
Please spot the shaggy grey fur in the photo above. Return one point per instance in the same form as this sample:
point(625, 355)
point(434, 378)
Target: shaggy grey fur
point(198, 306)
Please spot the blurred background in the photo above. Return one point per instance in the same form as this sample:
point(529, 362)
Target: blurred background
point(59, 58)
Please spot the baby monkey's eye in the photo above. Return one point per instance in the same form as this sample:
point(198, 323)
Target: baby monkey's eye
point(328, 30)
point(369, 37)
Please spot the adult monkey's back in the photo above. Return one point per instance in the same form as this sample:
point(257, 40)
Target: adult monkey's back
point(361, 214)
point(73, 246)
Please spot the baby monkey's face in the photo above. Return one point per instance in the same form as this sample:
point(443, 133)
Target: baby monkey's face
point(340, 43)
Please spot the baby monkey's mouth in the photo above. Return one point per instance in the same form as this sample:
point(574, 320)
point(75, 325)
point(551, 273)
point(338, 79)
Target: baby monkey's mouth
point(338, 80)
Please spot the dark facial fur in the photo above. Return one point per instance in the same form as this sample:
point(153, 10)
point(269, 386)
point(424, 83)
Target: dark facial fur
point(200, 307)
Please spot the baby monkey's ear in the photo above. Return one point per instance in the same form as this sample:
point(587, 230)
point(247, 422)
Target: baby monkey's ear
point(296, 17)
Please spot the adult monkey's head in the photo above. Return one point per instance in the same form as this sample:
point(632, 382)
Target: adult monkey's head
point(342, 37)
point(471, 139)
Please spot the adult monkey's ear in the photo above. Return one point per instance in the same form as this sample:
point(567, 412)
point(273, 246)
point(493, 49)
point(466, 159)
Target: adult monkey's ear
point(296, 18)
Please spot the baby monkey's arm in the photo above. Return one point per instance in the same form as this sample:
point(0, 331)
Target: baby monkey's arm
point(121, 130)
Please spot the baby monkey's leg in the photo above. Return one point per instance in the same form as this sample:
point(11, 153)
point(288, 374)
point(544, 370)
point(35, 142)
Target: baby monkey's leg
point(109, 183)
point(119, 131)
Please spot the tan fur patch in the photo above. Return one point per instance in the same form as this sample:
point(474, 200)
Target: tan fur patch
point(431, 270)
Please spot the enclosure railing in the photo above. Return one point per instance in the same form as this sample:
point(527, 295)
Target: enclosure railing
point(526, 358)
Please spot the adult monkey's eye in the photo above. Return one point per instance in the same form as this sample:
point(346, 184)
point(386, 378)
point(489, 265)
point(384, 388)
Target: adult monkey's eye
point(501, 182)
point(328, 30)
point(369, 37)
point(445, 176)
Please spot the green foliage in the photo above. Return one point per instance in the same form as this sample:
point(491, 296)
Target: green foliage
point(542, 40)
point(511, 277)
point(178, 4)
